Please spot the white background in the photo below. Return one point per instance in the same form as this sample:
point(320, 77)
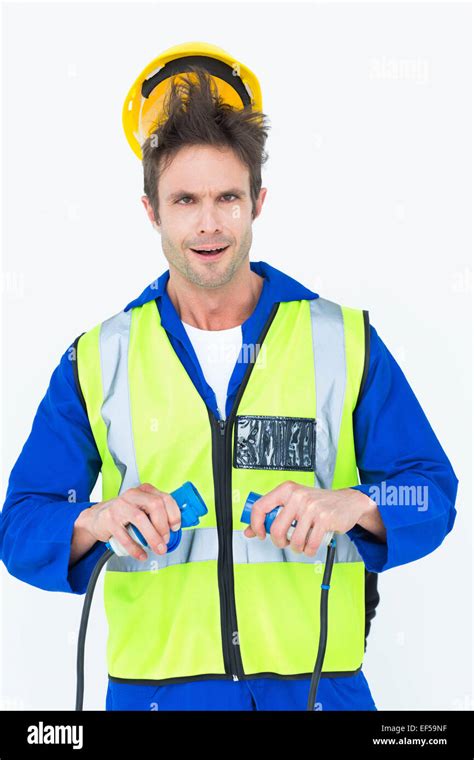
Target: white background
point(368, 204)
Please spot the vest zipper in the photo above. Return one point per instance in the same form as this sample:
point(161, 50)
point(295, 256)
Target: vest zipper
point(222, 470)
point(232, 660)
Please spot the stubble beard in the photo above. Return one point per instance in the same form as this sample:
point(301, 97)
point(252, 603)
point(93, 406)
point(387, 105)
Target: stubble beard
point(212, 275)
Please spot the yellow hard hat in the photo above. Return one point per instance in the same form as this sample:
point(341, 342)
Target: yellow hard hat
point(236, 84)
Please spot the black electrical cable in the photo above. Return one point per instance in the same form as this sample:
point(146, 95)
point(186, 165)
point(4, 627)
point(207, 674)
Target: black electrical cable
point(323, 631)
point(83, 627)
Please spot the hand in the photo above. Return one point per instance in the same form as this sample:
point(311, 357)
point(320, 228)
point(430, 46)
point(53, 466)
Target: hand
point(317, 510)
point(152, 511)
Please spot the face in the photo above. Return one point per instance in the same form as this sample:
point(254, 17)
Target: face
point(204, 202)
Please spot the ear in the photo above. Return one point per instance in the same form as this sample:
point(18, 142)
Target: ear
point(149, 211)
point(259, 201)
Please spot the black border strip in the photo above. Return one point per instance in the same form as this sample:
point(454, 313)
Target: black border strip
point(372, 599)
point(365, 371)
point(76, 373)
point(224, 677)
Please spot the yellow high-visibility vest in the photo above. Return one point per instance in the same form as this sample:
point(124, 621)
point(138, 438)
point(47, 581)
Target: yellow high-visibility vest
point(222, 605)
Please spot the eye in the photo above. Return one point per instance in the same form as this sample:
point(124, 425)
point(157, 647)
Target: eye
point(188, 197)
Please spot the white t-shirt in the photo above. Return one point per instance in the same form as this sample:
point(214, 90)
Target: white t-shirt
point(217, 352)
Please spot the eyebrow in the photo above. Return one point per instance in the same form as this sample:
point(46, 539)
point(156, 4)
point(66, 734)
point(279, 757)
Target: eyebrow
point(180, 193)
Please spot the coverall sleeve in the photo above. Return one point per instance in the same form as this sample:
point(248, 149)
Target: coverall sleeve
point(49, 485)
point(402, 467)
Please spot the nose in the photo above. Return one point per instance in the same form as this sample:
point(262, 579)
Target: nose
point(209, 219)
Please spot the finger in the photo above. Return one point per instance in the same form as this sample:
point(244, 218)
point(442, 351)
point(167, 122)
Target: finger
point(300, 533)
point(282, 529)
point(313, 540)
point(154, 538)
point(249, 532)
point(257, 519)
point(131, 546)
point(155, 526)
point(173, 511)
point(278, 496)
point(162, 508)
point(158, 516)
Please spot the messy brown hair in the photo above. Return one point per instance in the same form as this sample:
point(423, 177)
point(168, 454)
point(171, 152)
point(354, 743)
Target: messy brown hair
point(195, 114)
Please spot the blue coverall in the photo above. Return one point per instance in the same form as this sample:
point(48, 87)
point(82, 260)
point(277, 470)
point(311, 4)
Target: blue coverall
point(394, 443)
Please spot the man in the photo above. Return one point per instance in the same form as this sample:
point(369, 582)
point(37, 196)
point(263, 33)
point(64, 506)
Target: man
point(230, 620)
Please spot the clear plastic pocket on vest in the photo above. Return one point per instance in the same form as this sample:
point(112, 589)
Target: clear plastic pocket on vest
point(274, 443)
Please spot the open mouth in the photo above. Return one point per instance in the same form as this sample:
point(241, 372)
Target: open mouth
point(210, 253)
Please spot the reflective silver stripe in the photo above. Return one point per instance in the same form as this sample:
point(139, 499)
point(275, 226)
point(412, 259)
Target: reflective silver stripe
point(196, 545)
point(330, 372)
point(201, 545)
point(115, 409)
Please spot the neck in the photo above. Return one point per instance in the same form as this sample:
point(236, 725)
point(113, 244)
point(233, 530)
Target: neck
point(215, 309)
